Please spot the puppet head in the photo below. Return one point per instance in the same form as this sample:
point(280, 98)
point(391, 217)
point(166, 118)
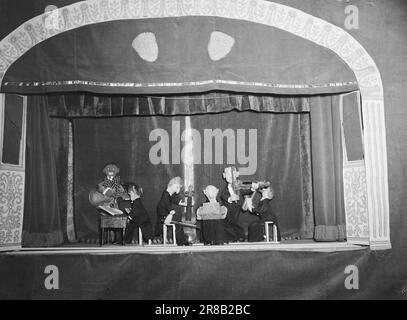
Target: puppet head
point(133, 190)
point(111, 170)
point(211, 192)
point(267, 192)
point(175, 185)
point(230, 173)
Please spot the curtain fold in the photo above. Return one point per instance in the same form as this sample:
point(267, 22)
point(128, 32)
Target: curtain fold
point(307, 230)
point(327, 169)
point(59, 129)
point(42, 225)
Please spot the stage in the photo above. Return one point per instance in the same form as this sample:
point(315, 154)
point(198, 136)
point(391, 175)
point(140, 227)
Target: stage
point(155, 272)
point(306, 95)
point(294, 245)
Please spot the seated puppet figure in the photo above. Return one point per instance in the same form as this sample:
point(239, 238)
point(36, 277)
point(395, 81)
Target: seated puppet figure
point(138, 215)
point(212, 215)
point(108, 191)
point(110, 186)
point(265, 213)
point(211, 210)
point(168, 210)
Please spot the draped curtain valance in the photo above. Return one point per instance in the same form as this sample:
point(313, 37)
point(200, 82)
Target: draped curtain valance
point(90, 105)
point(172, 55)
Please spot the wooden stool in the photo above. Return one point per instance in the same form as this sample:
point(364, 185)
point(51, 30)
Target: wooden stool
point(267, 227)
point(112, 222)
point(140, 237)
point(165, 226)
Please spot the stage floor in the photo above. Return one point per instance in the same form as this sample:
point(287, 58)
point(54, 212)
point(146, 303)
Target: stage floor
point(287, 270)
point(294, 245)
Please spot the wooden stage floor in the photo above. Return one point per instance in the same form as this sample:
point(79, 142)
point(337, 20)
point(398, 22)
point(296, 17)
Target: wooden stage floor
point(294, 245)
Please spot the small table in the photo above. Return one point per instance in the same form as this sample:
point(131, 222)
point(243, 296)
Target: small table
point(112, 222)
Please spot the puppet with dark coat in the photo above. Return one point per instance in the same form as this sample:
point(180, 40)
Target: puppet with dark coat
point(233, 202)
point(168, 209)
point(138, 215)
point(265, 213)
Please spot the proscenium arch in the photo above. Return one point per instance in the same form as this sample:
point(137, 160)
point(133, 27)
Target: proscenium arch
point(263, 12)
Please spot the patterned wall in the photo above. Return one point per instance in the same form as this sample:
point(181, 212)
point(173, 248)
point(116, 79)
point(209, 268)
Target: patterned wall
point(355, 193)
point(11, 207)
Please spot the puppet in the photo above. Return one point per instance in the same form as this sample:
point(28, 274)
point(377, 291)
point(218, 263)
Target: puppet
point(265, 213)
point(211, 215)
point(168, 212)
point(232, 198)
point(137, 213)
point(211, 210)
point(108, 190)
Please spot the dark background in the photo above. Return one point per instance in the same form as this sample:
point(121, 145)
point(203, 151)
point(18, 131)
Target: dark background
point(125, 141)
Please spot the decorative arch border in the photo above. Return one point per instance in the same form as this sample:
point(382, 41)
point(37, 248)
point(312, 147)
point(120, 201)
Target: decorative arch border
point(268, 13)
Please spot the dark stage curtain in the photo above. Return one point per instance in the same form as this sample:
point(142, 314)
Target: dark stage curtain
point(59, 130)
point(280, 160)
point(327, 169)
point(125, 141)
point(43, 222)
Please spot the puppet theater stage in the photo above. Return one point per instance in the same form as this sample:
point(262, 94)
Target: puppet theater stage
point(185, 88)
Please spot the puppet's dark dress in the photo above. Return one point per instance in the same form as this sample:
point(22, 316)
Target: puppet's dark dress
point(212, 222)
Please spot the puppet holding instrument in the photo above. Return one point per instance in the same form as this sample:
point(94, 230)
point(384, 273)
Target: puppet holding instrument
point(236, 197)
point(265, 213)
point(108, 190)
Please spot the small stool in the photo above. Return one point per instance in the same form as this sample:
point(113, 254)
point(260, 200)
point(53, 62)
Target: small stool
point(165, 226)
point(112, 222)
point(140, 237)
point(267, 227)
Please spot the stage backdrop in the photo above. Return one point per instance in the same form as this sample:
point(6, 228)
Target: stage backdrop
point(149, 151)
